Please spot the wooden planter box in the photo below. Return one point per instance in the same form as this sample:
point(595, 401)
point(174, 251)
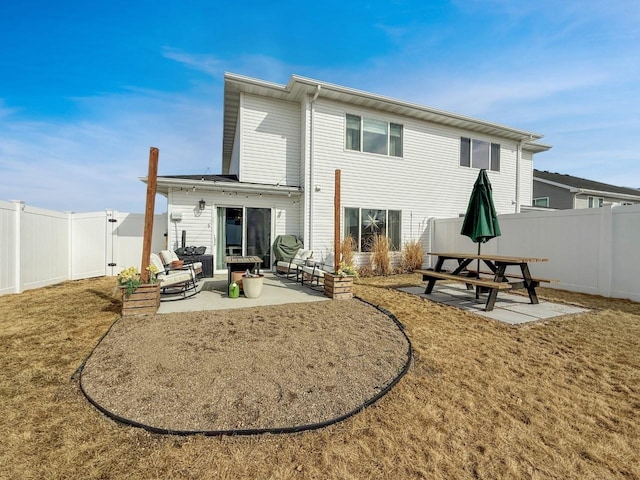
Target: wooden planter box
point(338, 287)
point(145, 299)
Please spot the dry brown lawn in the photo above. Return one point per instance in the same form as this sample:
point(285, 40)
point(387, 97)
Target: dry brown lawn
point(555, 399)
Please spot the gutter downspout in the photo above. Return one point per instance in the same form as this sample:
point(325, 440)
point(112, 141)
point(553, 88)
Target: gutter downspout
point(518, 159)
point(311, 189)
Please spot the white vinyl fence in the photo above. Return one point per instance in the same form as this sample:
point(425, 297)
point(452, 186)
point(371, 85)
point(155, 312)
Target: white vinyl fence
point(42, 247)
point(594, 251)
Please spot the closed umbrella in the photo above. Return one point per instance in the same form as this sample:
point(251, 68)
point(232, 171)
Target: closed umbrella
point(481, 220)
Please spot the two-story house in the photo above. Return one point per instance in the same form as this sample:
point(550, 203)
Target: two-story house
point(401, 164)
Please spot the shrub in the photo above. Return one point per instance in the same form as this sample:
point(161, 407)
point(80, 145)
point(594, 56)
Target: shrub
point(412, 256)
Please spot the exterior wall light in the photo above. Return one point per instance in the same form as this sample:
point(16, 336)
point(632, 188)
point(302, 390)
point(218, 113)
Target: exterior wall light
point(202, 204)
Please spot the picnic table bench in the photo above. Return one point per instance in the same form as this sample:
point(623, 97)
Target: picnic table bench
point(469, 280)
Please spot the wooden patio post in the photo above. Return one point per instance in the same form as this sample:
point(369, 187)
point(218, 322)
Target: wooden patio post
point(336, 221)
point(152, 181)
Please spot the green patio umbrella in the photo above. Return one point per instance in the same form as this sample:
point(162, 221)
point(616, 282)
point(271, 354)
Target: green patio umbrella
point(481, 220)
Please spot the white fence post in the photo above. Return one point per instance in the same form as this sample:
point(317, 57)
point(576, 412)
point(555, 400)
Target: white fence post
point(70, 245)
point(111, 259)
point(19, 206)
point(605, 250)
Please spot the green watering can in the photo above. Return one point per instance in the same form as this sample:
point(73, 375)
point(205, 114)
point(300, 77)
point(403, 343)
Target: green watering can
point(234, 290)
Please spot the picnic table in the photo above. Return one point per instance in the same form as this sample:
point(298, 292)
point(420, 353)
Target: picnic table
point(241, 263)
point(492, 281)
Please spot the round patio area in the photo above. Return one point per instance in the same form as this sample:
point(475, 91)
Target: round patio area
point(280, 368)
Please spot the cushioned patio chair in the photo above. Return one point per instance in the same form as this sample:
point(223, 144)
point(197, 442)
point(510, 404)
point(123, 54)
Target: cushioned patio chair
point(295, 264)
point(174, 282)
point(316, 270)
point(169, 256)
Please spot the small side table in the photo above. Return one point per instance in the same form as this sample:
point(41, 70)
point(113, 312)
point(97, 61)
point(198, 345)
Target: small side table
point(240, 263)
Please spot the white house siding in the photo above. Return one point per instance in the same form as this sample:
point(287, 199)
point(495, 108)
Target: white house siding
point(201, 226)
point(526, 179)
point(197, 224)
point(234, 167)
point(580, 201)
point(427, 182)
point(271, 141)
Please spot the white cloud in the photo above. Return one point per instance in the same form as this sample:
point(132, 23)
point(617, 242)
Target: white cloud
point(253, 65)
point(208, 64)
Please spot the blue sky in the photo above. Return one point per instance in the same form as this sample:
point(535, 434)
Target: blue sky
point(87, 87)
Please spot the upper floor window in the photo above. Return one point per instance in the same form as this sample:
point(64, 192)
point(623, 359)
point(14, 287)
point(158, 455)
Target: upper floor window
point(363, 224)
point(479, 154)
point(373, 136)
point(541, 202)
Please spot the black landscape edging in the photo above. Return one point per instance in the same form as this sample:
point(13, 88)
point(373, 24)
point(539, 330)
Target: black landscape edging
point(257, 431)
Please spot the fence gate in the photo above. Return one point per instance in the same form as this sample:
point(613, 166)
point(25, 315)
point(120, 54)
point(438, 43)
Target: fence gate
point(42, 247)
point(90, 244)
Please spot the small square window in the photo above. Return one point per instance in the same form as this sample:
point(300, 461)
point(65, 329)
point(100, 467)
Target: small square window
point(596, 202)
point(479, 154)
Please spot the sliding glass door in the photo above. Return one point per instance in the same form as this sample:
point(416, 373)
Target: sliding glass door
point(258, 228)
point(243, 231)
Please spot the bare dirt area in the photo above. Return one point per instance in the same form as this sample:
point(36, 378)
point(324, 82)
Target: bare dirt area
point(276, 367)
point(556, 399)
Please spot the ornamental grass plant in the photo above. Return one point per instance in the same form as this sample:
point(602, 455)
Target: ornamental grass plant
point(380, 260)
point(412, 256)
point(347, 250)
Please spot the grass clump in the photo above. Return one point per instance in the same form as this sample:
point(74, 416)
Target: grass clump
point(412, 256)
point(380, 260)
point(347, 250)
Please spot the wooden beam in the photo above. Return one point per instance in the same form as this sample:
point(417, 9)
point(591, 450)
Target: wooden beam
point(152, 182)
point(336, 221)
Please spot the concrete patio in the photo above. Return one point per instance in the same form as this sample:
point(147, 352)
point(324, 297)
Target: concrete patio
point(509, 308)
point(213, 295)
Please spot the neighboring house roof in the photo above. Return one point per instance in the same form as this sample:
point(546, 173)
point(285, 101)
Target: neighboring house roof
point(299, 87)
point(582, 185)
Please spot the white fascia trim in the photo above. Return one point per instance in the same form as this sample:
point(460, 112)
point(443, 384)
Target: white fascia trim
point(226, 186)
point(621, 196)
point(555, 184)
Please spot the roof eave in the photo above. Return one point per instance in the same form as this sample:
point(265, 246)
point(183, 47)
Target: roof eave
point(537, 147)
point(602, 193)
point(298, 87)
point(438, 116)
point(165, 184)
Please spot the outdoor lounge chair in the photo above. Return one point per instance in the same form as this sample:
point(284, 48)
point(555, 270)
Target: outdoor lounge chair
point(169, 256)
point(174, 282)
point(316, 270)
point(295, 264)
